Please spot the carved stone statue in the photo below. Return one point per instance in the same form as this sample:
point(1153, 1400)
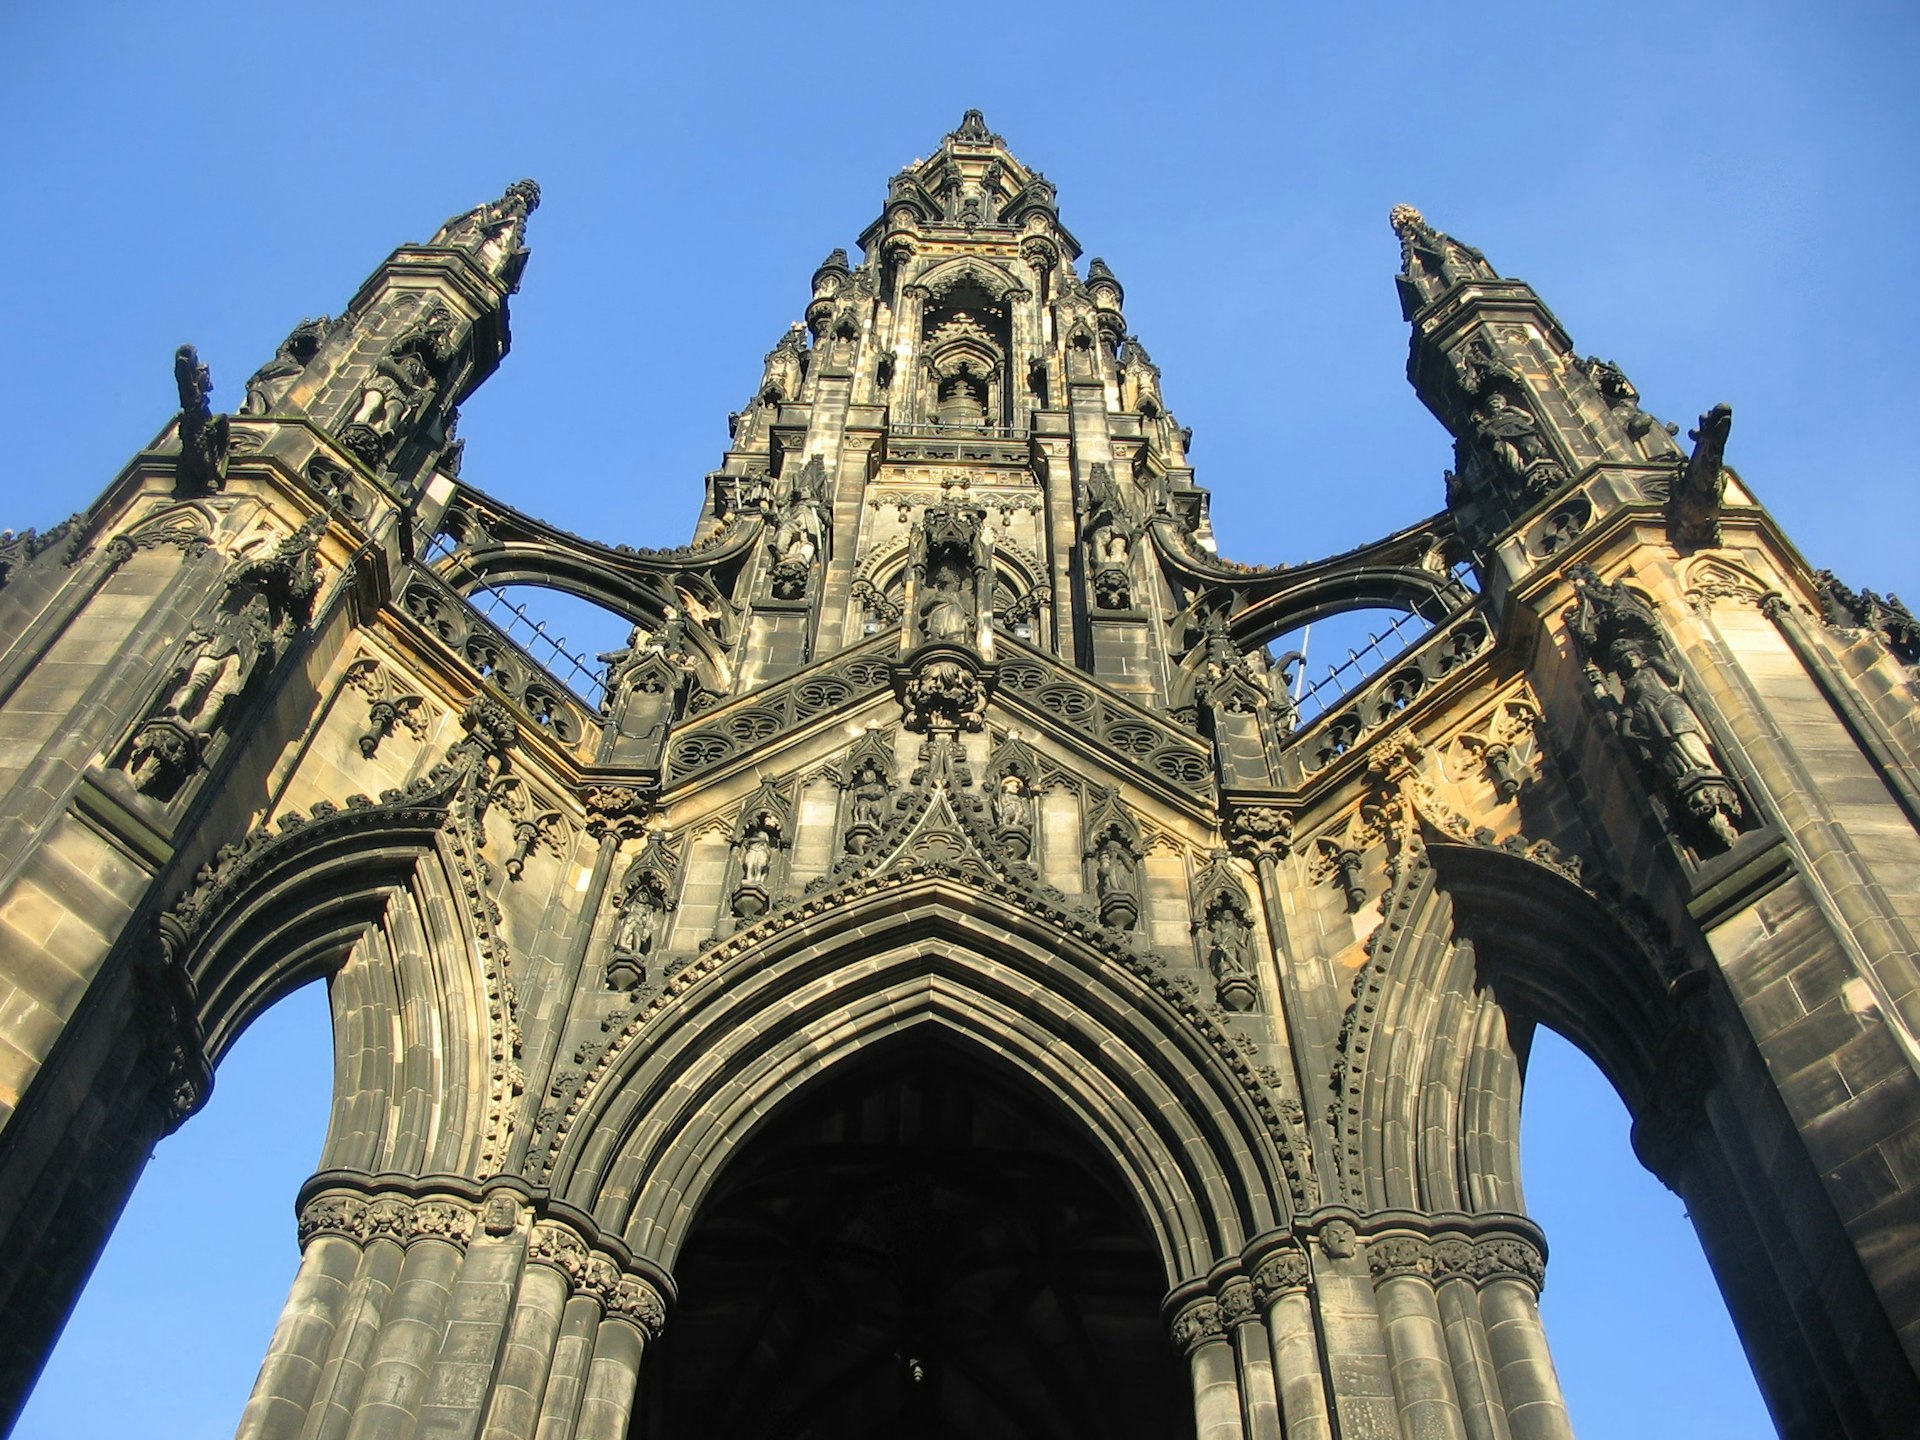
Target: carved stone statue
point(1621, 639)
point(1012, 805)
point(205, 438)
point(1658, 717)
point(1512, 438)
point(225, 652)
point(869, 793)
point(402, 383)
point(271, 382)
point(946, 613)
point(797, 538)
point(1113, 867)
point(644, 903)
point(1230, 954)
point(756, 851)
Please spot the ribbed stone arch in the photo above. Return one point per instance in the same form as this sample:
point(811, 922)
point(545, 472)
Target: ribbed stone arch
point(1103, 1047)
point(1475, 941)
point(379, 902)
point(1561, 958)
point(938, 280)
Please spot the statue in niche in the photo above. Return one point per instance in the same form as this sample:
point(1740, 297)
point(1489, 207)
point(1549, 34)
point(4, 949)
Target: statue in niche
point(271, 382)
point(224, 655)
point(1110, 545)
point(756, 850)
point(222, 660)
point(1230, 954)
point(797, 538)
point(1113, 866)
point(869, 793)
point(947, 611)
point(1116, 880)
point(1657, 716)
point(1013, 805)
point(644, 903)
point(1620, 637)
point(403, 381)
point(1512, 437)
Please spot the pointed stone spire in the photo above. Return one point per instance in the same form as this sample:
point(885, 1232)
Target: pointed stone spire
point(1431, 262)
point(494, 233)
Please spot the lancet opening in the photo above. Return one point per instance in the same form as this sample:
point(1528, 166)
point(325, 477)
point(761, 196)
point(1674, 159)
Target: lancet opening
point(917, 1247)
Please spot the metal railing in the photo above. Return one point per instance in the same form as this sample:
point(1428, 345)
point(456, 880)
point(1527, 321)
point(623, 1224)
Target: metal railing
point(959, 432)
point(1358, 665)
point(548, 651)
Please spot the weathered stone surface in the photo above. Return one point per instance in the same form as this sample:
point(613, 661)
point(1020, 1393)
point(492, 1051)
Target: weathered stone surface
point(944, 892)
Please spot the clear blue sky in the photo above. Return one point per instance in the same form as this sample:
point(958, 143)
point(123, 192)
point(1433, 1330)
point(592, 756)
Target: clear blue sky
point(1720, 198)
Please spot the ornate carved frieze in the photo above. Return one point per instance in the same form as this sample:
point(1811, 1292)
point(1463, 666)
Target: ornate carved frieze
point(738, 727)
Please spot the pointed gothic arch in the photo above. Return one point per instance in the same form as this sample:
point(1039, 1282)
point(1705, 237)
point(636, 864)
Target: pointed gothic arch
point(1156, 1094)
point(382, 902)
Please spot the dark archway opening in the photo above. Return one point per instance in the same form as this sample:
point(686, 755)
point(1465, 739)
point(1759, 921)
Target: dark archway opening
point(917, 1249)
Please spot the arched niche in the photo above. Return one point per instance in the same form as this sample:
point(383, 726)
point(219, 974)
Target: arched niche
point(919, 1244)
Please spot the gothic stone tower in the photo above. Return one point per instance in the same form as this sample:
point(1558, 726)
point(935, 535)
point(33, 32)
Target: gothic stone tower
point(946, 985)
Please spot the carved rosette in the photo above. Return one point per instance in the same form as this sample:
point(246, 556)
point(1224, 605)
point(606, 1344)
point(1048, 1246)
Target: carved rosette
point(1197, 1324)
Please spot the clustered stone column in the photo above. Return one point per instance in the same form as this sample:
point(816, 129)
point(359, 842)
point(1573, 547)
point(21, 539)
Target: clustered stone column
point(436, 1315)
point(1454, 1323)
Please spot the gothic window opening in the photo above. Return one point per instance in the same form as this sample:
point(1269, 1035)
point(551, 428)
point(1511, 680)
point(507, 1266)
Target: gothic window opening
point(967, 340)
point(921, 1247)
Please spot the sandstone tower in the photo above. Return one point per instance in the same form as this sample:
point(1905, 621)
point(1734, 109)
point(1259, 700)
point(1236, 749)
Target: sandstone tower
point(947, 975)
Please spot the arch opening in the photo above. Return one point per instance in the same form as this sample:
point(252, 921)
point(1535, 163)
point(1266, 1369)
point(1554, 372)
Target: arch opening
point(917, 1244)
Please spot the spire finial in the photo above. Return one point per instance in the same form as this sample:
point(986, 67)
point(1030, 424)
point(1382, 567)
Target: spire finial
point(973, 131)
